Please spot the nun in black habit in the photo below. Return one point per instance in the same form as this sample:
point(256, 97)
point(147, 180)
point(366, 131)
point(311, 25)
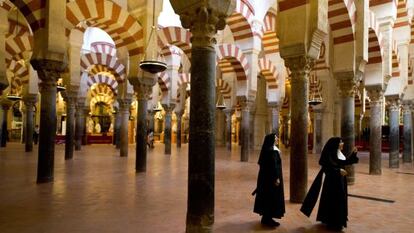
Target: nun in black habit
point(270, 201)
point(333, 204)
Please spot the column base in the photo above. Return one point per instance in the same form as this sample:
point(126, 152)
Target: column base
point(44, 180)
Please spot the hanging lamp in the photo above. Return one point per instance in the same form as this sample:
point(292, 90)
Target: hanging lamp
point(315, 96)
point(151, 64)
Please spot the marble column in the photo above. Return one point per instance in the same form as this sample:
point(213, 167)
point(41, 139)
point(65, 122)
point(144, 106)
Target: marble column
point(203, 18)
point(142, 91)
point(228, 112)
point(317, 130)
point(5, 104)
point(124, 105)
point(179, 115)
point(48, 72)
point(376, 97)
point(80, 122)
point(29, 101)
point(167, 127)
point(346, 85)
point(274, 108)
point(394, 138)
point(70, 98)
point(300, 67)
point(245, 127)
point(407, 131)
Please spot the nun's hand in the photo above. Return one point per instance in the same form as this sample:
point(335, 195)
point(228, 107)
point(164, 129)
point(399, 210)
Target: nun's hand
point(343, 172)
point(277, 182)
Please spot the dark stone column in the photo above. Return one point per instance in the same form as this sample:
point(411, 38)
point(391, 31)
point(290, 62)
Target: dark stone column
point(167, 130)
point(5, 104)
point(70, 98)
point(179, 115)
point(48, 72)
point(376, 96)
point(245, 127)
point(115, 114)
point(86, 110)
point(300, 67)
point(275, 108)
point(29, 101)
point(412, 131)
point(407, 132)
point(143, 89)
point(394, 138)
point(346, 85)
point(252, 116)
point(80, 122)
point(228, 112)
point(203, 19)
point(118, 120)
point(124, 105)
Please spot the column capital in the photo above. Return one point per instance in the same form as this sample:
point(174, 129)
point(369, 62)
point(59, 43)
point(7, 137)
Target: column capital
point(346, 83)
point(228, 111)
point(48, 70)
point(299, 65)
point(6, 104)
point(168, 107)
point(406, 106)
point(393, 103)
point(124, 104)
point(375, 94)
point(245, 103)
point(29, 100)
point(274, 105)
point(143, 91)
point(203, 18)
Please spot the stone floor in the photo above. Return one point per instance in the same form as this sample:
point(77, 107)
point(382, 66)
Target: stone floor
point(98, 191)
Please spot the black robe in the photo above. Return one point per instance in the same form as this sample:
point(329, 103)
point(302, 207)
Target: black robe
point(333, 204)
point(270, 199)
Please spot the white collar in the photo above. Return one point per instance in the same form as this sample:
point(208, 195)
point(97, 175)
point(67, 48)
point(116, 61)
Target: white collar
point(340, 155)
point(276, 148)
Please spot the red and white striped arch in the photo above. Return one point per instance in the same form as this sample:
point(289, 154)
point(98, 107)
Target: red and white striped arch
point(177, 36)
point(103, 47)
point(184, 78)
point(241, 19)
point(110, 17)
point(374, 41)
point(402, 15)
point(102, 98)
point(102, 89)
point(18, 48)
point(91, 60)
point(33, 11)
point(224, 88)
point(341, 15)
point(21, 74)
point(270, 40)
point(315, 86)
point(231, 59)
point(269, 71)
point(164, 82)
point(395, 64)
point(103, 79)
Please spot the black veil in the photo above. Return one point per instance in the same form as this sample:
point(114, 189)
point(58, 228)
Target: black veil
point(329, 152)
point(268, 143)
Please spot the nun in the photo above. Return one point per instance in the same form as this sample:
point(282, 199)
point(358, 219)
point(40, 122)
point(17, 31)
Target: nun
point(333, 204)
point(269, 201)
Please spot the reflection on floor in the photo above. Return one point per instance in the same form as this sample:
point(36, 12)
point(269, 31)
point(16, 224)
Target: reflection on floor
point(98, 191)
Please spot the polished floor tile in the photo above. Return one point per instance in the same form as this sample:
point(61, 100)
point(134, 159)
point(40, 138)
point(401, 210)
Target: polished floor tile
point(98, 191)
